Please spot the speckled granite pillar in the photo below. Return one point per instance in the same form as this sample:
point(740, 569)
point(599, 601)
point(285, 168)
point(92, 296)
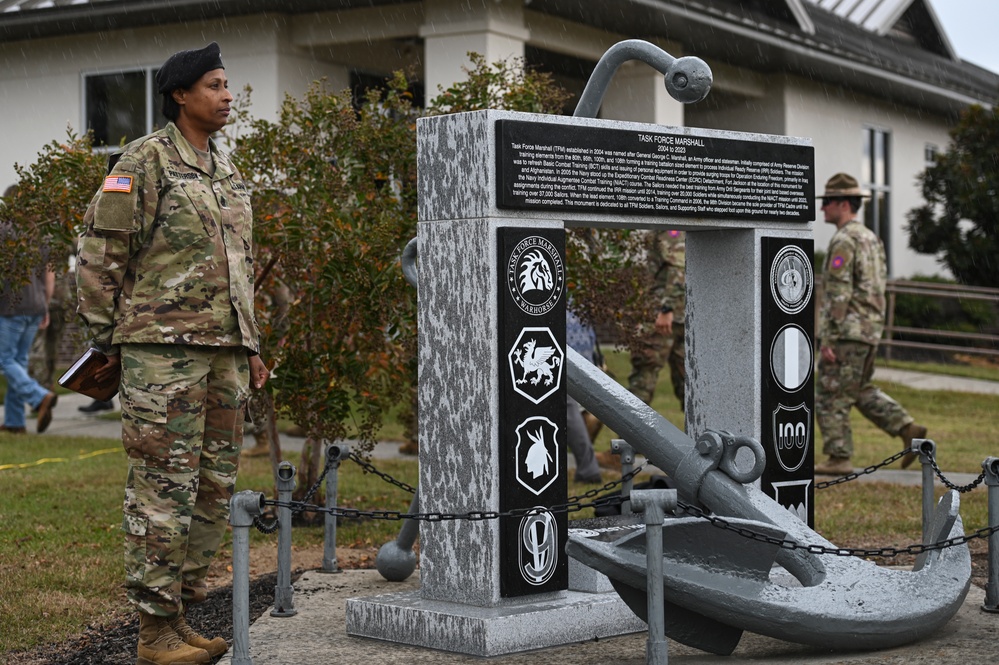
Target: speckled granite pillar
point(459, 606)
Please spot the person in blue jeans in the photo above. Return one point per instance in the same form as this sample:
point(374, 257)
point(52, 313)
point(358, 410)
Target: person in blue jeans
point(24, 309)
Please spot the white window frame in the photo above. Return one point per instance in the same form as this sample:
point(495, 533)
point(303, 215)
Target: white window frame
point(151, 98)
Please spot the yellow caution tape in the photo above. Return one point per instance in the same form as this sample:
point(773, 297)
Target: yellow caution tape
point(52, 460)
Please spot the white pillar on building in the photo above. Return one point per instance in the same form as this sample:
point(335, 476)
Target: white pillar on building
point(453, 28)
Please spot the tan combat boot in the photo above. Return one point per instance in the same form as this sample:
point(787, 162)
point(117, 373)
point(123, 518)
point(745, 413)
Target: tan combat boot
point(215, 646)
point(160, 645)
point(835, 466)
point(908, 433)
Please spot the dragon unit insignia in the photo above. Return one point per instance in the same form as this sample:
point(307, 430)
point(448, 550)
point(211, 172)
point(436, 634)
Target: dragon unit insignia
point(538, 546)
point(535, 275)
point(792, 430)
point(791, 279)
point(536, 364)
point(537, 454)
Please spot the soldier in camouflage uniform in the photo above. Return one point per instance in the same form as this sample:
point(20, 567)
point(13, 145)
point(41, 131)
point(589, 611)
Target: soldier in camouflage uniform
point(850, 325)
point(165, 288)
point(664, 343)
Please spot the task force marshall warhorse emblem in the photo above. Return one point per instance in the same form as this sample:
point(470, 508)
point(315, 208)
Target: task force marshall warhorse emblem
point(535, 275)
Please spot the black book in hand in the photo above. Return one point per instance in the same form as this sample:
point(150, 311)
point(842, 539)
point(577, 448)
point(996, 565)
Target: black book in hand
point(81, 377)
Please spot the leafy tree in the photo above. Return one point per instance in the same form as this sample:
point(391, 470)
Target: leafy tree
point(48, 204)
point(334, 201)
point(960, 220)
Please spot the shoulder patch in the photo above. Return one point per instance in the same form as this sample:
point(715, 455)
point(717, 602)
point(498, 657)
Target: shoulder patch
point(118, 183)
point(837, 262)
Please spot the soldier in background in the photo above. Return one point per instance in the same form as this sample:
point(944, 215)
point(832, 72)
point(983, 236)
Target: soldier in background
point(851, 321)
point(664, 343)
point(165, 289)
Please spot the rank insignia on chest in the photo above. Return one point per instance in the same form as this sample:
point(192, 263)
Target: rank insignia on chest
point(118, 183)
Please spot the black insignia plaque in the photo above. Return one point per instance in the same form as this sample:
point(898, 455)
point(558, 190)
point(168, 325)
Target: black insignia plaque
point(549, 166)
point(532, 410)
point(788, 393)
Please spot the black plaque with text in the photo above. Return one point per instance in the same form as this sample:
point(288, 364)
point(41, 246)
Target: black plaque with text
point(532, 417)
point(788, 391)
point(550, 166)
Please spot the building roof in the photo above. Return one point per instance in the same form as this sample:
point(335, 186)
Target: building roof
point(895, 49)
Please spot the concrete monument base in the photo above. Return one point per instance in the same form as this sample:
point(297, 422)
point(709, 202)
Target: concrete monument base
point(520, 625)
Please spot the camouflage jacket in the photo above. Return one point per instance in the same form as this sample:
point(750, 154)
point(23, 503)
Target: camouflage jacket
point(854, 279)
point(166, 255)
point(668, 261)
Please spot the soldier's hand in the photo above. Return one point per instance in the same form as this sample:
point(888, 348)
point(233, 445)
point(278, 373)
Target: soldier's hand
point(110, 369)
point(258, 372)
point(664, 323)
point(828, 354)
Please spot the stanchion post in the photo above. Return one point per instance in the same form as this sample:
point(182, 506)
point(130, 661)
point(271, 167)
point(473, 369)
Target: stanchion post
point(991, 467)
point(654, 504)
point(243, 508)
point(627, 453)
point(334, 455)
point(927, 450)
point(284, 600)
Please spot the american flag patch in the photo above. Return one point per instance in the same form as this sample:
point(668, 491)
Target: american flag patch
point(118, 183)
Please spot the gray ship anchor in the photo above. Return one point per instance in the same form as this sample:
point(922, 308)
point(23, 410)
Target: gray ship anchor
point(718, 583)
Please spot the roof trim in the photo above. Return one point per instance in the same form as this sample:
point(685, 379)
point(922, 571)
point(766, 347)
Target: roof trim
point(801, 16)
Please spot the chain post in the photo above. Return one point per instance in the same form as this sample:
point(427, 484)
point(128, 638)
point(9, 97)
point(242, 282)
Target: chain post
point(243, 508)
point(627, 453)
point(284, 602)
point(334, 455)
point(927, 450)
point(654, 504)
point(991, 467)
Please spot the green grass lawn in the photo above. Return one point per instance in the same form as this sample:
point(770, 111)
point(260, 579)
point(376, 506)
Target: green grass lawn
point(60, 543)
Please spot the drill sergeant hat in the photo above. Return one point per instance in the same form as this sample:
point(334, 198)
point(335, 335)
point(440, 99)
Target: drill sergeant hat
point(843, 185)
point(183, 69)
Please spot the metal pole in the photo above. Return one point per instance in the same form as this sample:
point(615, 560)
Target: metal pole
point(334, 454)
point(991, 466)
point(396, 560)
point(927, 452)
point(627, 453)
point(284, 602)
point(654, 504)
point(243, 507)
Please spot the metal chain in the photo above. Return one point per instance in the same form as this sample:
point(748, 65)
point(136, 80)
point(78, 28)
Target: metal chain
point(886, 552)
point(609, 486)
point(570, 507)
point(471, 516)
point(871, 469)
point(369, 468)
point(960, 489)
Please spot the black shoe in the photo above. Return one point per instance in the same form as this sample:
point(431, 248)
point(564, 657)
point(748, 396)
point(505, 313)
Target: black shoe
point(98, 405)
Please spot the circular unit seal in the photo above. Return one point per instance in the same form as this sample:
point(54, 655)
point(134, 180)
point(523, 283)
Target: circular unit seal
point(791, 279)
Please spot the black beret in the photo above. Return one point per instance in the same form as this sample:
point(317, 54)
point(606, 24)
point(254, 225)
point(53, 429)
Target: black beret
point(183, 69)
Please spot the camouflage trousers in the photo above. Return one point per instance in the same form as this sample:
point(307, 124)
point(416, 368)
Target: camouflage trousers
point(182, 428)
point(847, 383)
point(651, 354)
